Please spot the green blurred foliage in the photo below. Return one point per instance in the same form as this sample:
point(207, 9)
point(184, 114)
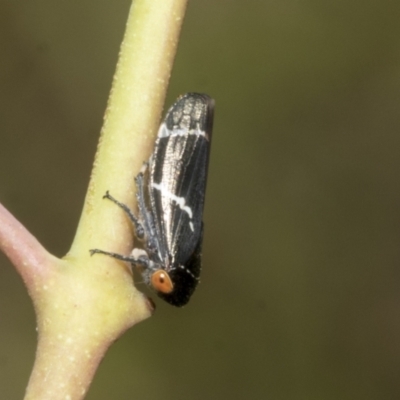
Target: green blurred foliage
point(300, 290)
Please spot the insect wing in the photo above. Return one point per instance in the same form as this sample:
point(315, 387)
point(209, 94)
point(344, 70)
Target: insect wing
point(185, 279)
point(178, 176)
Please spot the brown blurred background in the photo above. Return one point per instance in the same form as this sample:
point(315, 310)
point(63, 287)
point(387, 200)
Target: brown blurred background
point(300, 293)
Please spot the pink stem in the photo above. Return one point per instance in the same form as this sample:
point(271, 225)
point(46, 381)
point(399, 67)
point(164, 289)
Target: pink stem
point(23, 250)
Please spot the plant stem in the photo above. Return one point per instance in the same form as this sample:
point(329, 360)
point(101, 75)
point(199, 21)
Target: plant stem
point(131, 122)
point(85, 303)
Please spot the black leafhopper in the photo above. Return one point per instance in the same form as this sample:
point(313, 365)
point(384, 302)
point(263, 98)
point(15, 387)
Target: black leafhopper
point(170, 194)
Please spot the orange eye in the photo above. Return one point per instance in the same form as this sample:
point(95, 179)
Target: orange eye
point(161, 282)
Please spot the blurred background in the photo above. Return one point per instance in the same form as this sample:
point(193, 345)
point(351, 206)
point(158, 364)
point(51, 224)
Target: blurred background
point(300, 293)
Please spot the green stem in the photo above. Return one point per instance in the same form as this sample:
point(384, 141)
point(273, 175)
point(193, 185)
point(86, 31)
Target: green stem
point(84, 303)
point(131, 121)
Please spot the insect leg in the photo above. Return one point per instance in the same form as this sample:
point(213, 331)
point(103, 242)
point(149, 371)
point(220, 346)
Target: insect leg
point(137, 261)
point(138, 226)
point(144, 212)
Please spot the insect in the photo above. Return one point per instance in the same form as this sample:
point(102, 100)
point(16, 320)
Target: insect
point(170, 195)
